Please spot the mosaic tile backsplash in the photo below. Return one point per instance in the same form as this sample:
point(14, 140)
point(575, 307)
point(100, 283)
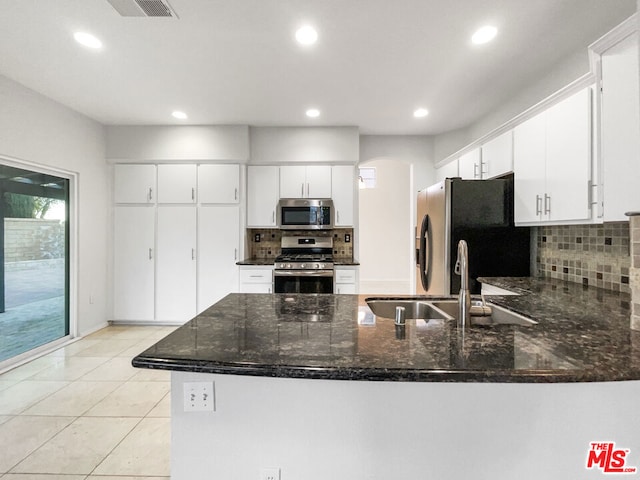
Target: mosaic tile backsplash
point(595, 255)
point(269, 245)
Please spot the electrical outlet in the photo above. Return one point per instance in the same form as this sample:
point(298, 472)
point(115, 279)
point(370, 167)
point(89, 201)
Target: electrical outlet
point(271, 473)
point(199, 397)
point(256, 238)
point(347, 238)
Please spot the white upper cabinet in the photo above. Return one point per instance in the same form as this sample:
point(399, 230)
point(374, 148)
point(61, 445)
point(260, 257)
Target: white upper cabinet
point(343, 190)
point(135, 184)
point(305, 181)
point(218, 184)
point(469, 166)
point(530, 168)
point(620, 128)
point(177, 183)
point(449, 170)
point(262, 196)
point(552, 163)
point(497, 156)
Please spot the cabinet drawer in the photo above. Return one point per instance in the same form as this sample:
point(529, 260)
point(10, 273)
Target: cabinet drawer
point(256, 275)
point(345, 276)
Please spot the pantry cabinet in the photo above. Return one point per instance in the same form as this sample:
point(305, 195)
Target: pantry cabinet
point(312, 181)
point(552, 163)
point(262, 196)
point(134, 184)
point(177, 183)
point(620, 100)
point(134, 263)
point(218, 184)
point(343, 193)
point(176, 264)
point(218, 241)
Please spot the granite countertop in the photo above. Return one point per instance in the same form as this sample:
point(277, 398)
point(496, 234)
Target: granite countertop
point(583, 335)
point(338, 261)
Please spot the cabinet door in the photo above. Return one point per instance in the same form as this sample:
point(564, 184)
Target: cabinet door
point(176, 264)
point(342, 191)
point(293, 182)
point(177, 183)
point(529, 159)
point(449, 170)
point(318, 181)
point(218, 246)
point(469, 165)
point(620, 129)
point(134, 263)
point(218, 183)
point(569, 158)
point(497, 156)
point(262, 196)
point(134, 184)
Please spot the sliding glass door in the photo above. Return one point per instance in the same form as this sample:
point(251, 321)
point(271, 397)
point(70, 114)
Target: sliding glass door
point(34, 268)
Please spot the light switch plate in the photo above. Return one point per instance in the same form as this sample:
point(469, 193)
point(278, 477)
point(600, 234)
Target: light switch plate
point(199, 397)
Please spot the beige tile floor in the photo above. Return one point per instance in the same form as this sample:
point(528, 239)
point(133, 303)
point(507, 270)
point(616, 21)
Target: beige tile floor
point(83, 412)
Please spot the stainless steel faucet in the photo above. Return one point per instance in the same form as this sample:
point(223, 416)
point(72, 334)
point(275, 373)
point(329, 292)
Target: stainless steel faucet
point(464, 298)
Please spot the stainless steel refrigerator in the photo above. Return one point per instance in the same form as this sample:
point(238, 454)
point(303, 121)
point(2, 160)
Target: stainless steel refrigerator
point(480, 212)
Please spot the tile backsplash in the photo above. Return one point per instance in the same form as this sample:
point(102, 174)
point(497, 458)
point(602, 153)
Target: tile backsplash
point(595, 255)
point(269, 245)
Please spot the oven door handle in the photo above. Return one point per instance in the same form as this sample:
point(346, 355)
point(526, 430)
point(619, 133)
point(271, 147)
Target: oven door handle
point(303, 273)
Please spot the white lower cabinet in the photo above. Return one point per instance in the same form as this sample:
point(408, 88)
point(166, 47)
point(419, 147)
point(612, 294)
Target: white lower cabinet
point(256, 279)
point(345, 279)
point(218, 241)
point(134, 263)
point(176, 264)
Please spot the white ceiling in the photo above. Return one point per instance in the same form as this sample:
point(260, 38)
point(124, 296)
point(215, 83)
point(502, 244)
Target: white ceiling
point(235, 61)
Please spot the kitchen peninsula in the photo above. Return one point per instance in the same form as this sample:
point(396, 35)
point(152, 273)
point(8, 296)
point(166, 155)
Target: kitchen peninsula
point(320, 388)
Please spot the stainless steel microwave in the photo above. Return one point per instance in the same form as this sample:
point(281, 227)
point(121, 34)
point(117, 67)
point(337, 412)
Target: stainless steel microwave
point(305, 213)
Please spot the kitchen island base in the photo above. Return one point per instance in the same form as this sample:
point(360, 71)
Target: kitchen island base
point(345, 430)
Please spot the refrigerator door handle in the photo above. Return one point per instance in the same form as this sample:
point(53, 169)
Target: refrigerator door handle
point(422, 256)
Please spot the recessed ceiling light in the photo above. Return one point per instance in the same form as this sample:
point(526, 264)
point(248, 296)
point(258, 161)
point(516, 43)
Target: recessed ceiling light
point(420, 112)
point(313, 113)
point(179, 115)
point(306, 35)
point(484, 35)
point(87, 40)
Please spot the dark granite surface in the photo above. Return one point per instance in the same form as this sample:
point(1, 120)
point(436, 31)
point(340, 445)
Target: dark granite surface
point(270, 261)
point(583, 335)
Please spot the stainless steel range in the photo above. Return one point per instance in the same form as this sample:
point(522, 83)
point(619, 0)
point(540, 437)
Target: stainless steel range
point(305, 265)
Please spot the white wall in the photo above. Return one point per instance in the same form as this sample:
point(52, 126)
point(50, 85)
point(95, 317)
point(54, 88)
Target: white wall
point(404, 165)
point(178, 142)
point(36, 129)
point(278, 145)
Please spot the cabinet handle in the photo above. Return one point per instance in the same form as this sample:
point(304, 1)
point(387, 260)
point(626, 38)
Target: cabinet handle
point(150, 254)
point(338, 216)
point(235, 254)
point(235, 194)
point(273, 217)
point(150, 194)
point(475, 170)
point(193, 254)
point(538, 205)
point(482, 170)
point(193, 193)
point(255, 276)
point(307, 190)
point(547, 204)
point(302, 190)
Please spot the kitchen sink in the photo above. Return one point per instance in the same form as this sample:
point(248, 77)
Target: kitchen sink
point(446, 310)
point(412, 309)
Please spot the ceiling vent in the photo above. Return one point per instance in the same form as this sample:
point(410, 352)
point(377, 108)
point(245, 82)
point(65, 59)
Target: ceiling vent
point(143, 8)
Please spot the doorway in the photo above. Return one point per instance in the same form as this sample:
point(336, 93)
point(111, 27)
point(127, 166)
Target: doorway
point(34, 266)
